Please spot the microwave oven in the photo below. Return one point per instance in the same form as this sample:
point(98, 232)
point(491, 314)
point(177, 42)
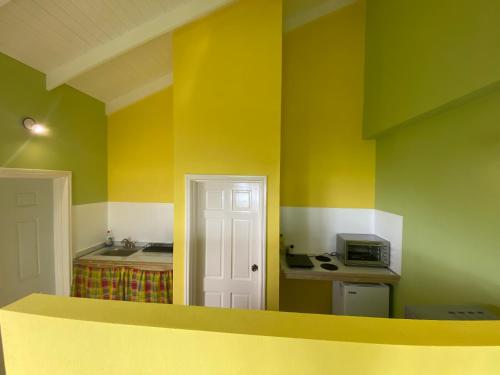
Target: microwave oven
point(366, 250)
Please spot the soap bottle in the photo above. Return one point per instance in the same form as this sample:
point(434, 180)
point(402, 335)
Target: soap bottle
point(109, 238)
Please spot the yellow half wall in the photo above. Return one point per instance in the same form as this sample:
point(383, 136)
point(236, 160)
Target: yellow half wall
point(140, 151)
point(116, 337)
point(227, 112)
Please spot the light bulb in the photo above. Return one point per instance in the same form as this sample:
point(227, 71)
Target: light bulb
point(34, 127)
point(38, 129)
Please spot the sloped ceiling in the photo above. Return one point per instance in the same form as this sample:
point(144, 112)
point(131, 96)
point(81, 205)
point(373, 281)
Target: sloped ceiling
point(113, 50)
point(117, 51)
point(300, 12)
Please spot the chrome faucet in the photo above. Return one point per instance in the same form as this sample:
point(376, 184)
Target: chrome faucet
point(127, 243)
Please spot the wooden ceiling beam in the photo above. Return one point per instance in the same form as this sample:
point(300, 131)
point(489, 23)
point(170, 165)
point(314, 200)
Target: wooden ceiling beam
point(138, 93)
point(186, 12)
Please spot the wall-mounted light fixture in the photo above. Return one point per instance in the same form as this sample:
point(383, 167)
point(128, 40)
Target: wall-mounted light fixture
point(34, 127)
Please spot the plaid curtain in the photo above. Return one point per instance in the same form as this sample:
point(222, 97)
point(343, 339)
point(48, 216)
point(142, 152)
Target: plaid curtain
point(122, 283)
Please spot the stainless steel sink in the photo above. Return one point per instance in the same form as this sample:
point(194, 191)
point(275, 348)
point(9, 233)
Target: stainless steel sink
point(119, 252)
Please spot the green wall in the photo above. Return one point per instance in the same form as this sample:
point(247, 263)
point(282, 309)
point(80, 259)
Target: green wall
point(425, 54)
point(77, 123)
point(432, 100)
point(443, 175)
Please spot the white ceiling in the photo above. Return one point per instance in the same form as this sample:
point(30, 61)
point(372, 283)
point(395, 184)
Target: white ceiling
point(128, 72)
point(113, 50)
point(300, 12)
point(118, 51)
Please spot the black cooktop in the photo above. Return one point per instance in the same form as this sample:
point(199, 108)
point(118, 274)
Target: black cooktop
point(159, 248)
point(323, 258)
point(299, 261)
point(329, 266)
point(326, 263)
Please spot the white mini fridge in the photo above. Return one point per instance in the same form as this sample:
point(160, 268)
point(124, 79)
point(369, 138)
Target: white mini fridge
point(359, 299)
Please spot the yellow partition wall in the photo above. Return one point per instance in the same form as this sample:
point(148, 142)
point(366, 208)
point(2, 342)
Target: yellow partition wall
point(325, 162)
point(227, 112)
point(62, 336)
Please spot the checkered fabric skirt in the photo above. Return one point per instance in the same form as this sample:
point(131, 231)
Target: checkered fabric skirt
point(122, 283)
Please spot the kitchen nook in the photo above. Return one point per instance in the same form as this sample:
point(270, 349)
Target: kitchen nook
point(126, 271)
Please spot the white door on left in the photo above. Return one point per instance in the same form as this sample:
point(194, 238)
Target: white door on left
point(26, 238)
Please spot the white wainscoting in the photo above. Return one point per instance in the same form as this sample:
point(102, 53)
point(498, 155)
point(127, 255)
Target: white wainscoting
point(143, 222)
point(314, 230)
point(89, 225)
point(390, 227)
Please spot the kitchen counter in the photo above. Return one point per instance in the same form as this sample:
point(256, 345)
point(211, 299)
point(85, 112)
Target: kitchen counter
point(140, 259)
point(343, 273)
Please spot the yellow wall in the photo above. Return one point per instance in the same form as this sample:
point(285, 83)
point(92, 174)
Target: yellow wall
point(227, 112)
point(306, 296)
point(140, 151)
point(115, 337)
point(325, 162)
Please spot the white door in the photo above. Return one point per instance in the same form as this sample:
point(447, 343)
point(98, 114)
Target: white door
point(26, 238)
point(229, 244)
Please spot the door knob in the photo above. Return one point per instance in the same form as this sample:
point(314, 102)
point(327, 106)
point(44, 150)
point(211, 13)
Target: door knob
point(255, 268)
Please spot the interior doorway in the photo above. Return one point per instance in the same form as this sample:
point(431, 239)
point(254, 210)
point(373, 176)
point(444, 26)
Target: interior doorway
point(225, 241)
point(35, 250)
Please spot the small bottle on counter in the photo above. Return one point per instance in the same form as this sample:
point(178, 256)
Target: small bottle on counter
point(109, 238)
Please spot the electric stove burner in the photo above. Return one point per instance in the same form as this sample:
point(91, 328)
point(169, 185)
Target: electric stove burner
point(323, 258)
point(329, 266)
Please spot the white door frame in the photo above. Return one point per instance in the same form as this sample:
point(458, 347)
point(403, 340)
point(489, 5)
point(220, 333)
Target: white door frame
point(190, 216)
point(62, 220)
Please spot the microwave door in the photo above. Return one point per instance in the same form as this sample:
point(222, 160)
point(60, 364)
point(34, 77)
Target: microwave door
point(364, 254)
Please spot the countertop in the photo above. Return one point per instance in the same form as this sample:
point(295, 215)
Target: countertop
point(140, 259)
point(343, 273)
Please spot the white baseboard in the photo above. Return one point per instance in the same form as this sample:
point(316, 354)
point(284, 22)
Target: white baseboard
point(89, 225)
point(143, 222)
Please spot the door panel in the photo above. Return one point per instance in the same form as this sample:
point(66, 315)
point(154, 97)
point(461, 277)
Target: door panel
point(242, 200)
point(240, 301)
point(213, 299)
point(26, 238)
point(214, 200)
point(228, 242)
point(241, 249)
point(29, 249)
point(214, 262)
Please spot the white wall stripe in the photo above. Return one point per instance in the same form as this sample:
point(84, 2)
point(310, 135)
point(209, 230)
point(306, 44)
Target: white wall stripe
point(311, 230)
point(89, 225)
point(314, 230)
point(143, 222)
point(390, 227)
